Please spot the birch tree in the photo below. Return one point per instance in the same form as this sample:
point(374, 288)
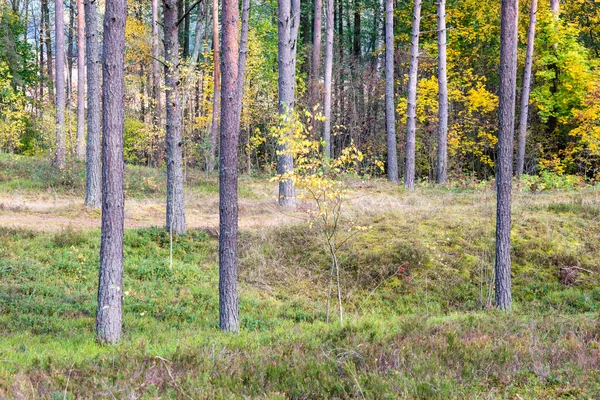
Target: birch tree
point(409, 168)
point(288, 23)
point(315, 65)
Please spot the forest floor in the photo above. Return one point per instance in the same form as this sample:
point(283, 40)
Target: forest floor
point(416, 289)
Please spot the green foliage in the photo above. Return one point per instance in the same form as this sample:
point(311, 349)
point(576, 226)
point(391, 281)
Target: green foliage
point(550, 181)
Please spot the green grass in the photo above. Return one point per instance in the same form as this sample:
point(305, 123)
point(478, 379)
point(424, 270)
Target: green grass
point(425, 333)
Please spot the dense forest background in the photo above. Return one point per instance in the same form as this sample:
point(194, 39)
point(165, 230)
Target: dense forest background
point(563, 131)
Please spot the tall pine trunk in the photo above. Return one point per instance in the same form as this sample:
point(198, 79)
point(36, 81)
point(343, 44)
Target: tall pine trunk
point(316, 55)
point(442, 151)
point(110, 284)
point(156, 92)
point(59, 32)
point(390, 109)
point(228, 172)
point(328, 72)
point(175, 211)
point(80, 148)
point(409, 168)
point(48, 42)
point(506, 123)
point(522, 138)
point(214, 126)
point(289, 20)
point(93, 180)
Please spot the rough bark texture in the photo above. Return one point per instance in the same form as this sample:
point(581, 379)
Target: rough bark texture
point(508, 78)
point(329, 25)
point(289, 20)
point(522, 139)
point(390, 109)
point(175, 191)
point(228, 174)
point(316, 55)
point(48, 40)
point(156, 92)
point(93, 179)
point(409, 169)
point(80, 148)
point(110, 285)
point(442, 152)
point(60, 144)
point(214, 126)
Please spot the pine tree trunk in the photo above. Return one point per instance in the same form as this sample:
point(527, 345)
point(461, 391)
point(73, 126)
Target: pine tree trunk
point(442, 152)
point(289, 19)
point(390, 109)
point(175, 211)
point(214, 127)
point(110, 285)
point(522, 139)
point(93, 180)
point(328, 72)
point(316, 55)
point(80, 148)
point(60, 144)
point(508, 78)
point(409, 171)
point(228, 173)
point(156, 91)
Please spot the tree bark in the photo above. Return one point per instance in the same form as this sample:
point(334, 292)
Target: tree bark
point(508, 78)
point(80, 148)
point(390, 109)
point(48, 40)
point(409, 172)
point(328, 72)
point(156, 91)
point(289, 19)
point(316, 55)
point(522, 138)
point(60, 144)
point(110, 285)
point(442, 151)
point(93, 174)
point(228, 173)
point(214, 126)
point(175, 211)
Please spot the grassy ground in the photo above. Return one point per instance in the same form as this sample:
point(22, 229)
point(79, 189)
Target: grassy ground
point(427, 332)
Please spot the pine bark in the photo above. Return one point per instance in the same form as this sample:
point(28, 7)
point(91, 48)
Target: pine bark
point(328, 72)
point(442, 151)
point(214, 126)
point(228, 173)
point(110, 285)
point(316, 55)
point(508, 78)
point(522, 138)
point(409, 171)
point(175, 211)
point(93, 180)
point(80, 144)
point(289, 20)
point(390, 109)
point(156, 91)
point(60, 144)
